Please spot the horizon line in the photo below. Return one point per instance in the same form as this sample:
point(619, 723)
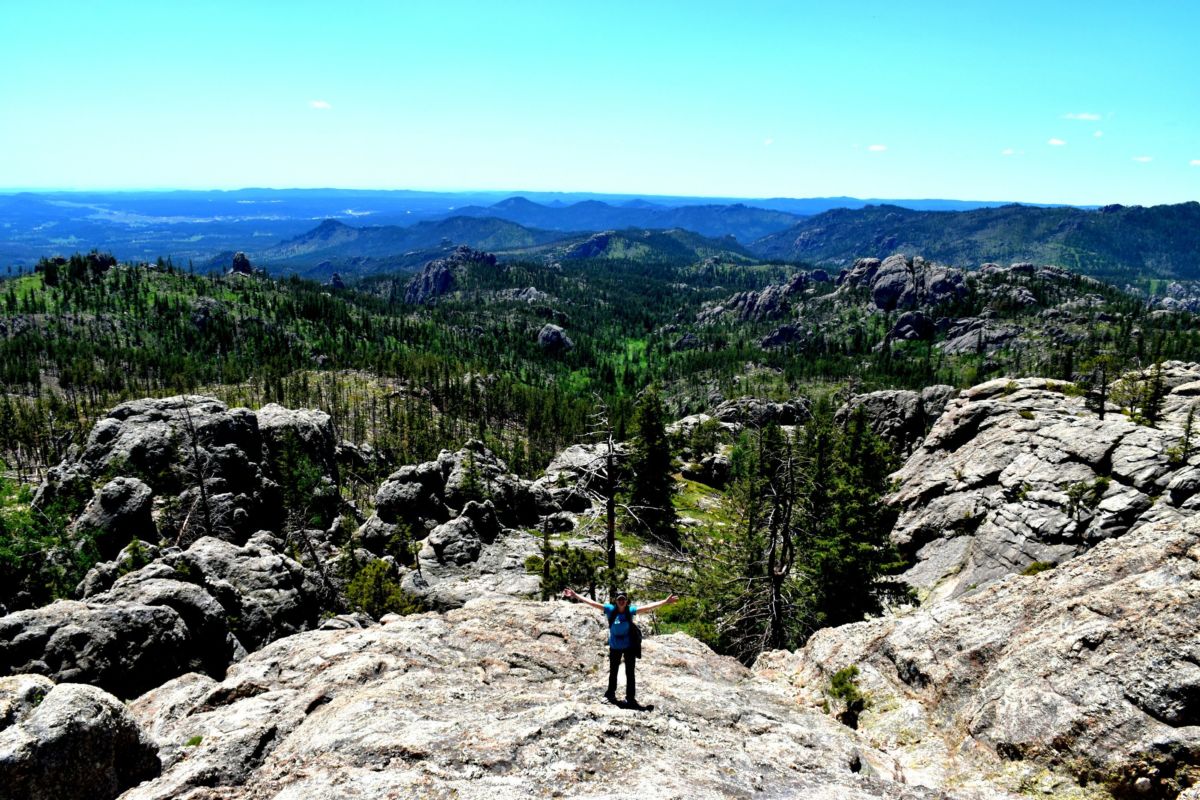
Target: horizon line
point(513, 193)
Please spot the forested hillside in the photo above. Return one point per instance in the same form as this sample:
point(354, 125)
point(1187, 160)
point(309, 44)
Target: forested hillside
point(1119, 243)
point(85, 334)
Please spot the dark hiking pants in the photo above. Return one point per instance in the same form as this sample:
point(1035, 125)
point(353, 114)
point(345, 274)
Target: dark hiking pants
point(614, 660)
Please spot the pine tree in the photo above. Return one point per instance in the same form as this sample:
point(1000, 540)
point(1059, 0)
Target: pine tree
point(846, 553)
point(651, 496)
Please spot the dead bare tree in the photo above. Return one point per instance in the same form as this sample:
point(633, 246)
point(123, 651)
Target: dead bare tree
point(199, 469)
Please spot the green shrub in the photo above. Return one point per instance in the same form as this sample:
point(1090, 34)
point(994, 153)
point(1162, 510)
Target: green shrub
point(575, 568)
point(194, 741)
point(137, 556)
point(1086, 496)
point(1038, 566)
point(689, 616)
point(843, 685)
point(375, 592)
point(41, 559)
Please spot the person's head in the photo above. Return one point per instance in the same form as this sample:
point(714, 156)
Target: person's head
point(621, 601)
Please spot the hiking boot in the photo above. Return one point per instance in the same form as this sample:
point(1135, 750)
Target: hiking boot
point(609, 697)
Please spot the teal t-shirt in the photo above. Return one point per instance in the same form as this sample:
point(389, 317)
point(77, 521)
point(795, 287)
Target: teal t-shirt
point(618, 627)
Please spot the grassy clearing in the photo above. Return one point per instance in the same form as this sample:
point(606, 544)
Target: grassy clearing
point(702, 502)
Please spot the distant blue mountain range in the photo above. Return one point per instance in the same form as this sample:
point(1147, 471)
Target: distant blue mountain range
point(197, 225)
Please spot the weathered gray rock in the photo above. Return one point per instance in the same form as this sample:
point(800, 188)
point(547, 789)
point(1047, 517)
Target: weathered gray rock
point(554, 340)
point(248, 461)
point(689, 341)
point(469, 704)
point(1081, 676)
point(118, 513)
point(171, 444)
point(268, 594)
point(437, 277)
point(195, 610)
point(772, 302)
point(462, 506)
point(978, 336)
point(19, 695)
point(413, 494)
point(898, 416)
point(460, 540)
point(900, 282)
point(1015, 472)
point(126, 649)
point(755, 412)
point(73, 742)
point(912, 326)
point(299, 436)
point(783, 336)
point(241, 264)
point(712, 470)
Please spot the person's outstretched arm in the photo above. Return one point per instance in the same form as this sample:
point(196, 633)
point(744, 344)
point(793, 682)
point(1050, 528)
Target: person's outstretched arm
point(651, 606)
point(570, 595)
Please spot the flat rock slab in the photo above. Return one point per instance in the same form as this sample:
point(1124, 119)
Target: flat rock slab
point(498, 699)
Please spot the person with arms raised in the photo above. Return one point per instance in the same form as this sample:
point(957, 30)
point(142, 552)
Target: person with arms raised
point(624, 639)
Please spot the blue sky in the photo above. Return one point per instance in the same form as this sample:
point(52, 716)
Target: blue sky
point(1076, 102)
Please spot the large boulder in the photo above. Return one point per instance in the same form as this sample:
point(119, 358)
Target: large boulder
point(125, 649)
point(973, 335)
point(194, 610)
point(438, 277)
point(912, 326)
point(554, 340)
point(898, 416)
point(904, 283)
point(460, 540)
point(755, 412)
point(170, 445)
point(267, 595)
point(1080, 681)
point(712, 470)
point(771, 302)
point(119, 512)
point(299, 435)
point(465, 510)
point(69, 741)
point(474, 705)
point(209, 470)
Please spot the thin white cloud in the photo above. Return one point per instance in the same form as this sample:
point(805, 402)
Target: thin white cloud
point(1196, 162)
point(768, 142)
point(1083, 115)
point(1098, 134)
point(1143, 159)
point(1008, 151)
point(877, 148)
point(320, 105)
point(1056, 143)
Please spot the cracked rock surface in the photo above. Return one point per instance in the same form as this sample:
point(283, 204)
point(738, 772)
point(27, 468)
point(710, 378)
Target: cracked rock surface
point(1088, 670)
point(1017, 472)
point(498, 699)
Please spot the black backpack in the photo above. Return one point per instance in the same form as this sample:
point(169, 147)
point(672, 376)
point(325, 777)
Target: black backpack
point(635, 634)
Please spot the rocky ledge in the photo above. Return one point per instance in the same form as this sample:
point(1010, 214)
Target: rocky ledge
point(498, 699)
point(1080, 681)
point(1023, 473)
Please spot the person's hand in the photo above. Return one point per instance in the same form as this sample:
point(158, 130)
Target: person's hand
point(569, 594)
point(673, 598)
